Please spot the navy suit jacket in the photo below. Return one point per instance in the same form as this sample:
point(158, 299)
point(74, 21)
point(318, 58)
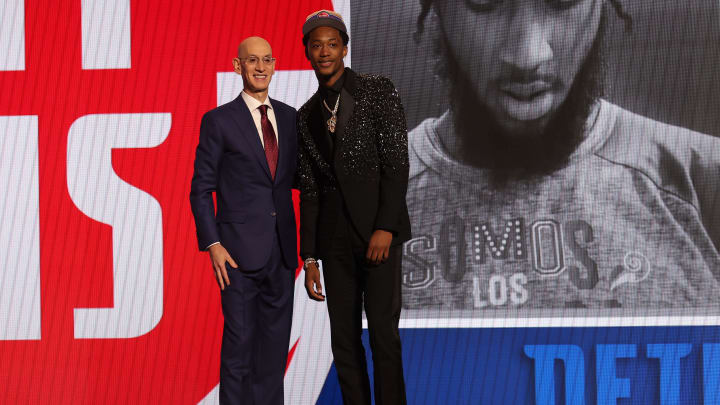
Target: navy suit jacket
point(230, 161)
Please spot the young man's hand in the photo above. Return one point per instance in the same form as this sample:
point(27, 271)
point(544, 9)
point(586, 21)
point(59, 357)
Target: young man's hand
point(379, 247)
point(313, 286)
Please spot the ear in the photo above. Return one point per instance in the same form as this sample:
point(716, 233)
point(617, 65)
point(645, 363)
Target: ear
point(345, 50)
point(307, 55)
point(237, 65)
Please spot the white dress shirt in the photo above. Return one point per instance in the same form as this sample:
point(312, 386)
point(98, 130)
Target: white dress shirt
point(253, 105)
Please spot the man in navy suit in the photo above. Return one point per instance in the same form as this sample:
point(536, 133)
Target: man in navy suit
point(247, 156)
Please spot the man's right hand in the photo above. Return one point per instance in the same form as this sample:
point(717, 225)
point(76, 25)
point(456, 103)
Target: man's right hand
point(313, 286)
point(218, 257)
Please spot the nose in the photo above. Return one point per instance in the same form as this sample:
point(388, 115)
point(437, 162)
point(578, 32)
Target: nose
point(526, 46)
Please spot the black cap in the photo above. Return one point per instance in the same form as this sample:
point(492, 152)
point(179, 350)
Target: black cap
point(324, 18)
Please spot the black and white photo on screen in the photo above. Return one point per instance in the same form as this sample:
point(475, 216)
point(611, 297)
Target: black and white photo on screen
point(564, 158)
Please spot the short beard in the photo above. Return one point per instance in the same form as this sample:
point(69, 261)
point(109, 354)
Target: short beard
point(484, 143)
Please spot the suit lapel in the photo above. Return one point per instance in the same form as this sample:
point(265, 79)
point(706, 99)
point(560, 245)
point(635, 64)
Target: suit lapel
point(245, 122)
point(319, 130)
point(347, 108)
point(282, 141)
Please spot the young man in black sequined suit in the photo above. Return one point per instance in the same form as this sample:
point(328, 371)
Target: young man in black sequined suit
point(352, 176)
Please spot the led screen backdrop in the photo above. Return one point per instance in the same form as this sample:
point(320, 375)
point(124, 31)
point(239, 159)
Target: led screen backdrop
point(592, 281)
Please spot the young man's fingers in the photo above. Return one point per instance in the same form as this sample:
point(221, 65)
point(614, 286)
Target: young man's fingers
point(371, 254)
point(377, 256)
point(315, 284)
point(318, 292)
point(309, 289)
point(312, 294)
point(386, 254)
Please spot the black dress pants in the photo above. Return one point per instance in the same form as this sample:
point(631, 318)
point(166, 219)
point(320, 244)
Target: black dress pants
point(351, 282)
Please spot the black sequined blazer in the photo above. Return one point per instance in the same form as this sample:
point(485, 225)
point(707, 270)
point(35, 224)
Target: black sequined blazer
point(367, 162)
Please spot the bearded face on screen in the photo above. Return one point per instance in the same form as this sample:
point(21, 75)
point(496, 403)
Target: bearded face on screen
point(523, 77)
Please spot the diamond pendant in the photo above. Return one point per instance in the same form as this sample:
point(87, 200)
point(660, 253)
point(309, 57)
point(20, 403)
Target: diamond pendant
point(331, 124)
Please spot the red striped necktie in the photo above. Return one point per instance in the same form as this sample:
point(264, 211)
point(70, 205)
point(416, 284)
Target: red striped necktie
point(271, 148)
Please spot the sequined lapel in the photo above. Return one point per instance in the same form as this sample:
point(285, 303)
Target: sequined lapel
point(319, 130)
point(347, 107)
point(306, 132)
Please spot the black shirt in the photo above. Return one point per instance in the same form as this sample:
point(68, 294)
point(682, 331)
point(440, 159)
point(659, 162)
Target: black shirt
point(329, 96)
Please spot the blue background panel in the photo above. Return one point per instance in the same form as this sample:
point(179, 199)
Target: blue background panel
point(490, 366)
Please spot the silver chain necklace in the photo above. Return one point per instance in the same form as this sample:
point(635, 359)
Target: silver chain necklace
point(333, 120)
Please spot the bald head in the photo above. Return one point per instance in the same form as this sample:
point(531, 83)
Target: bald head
point(254, 46)
point(256, 65)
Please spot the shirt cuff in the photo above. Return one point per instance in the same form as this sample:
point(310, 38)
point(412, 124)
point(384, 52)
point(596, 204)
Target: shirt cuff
point(208, 246)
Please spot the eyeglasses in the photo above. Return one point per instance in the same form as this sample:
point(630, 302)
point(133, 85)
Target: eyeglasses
point(253, 60)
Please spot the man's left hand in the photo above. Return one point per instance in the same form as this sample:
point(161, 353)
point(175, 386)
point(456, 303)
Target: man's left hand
point(379, 247)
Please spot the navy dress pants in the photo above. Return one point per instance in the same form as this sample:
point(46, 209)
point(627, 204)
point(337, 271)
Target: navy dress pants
point(257, 306)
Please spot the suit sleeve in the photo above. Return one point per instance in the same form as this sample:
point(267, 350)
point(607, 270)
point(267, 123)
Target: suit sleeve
point(306, 182)
point(204, 182)
point(392, 146)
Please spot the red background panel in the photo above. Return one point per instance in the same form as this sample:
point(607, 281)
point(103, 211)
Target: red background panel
point(177, 49)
